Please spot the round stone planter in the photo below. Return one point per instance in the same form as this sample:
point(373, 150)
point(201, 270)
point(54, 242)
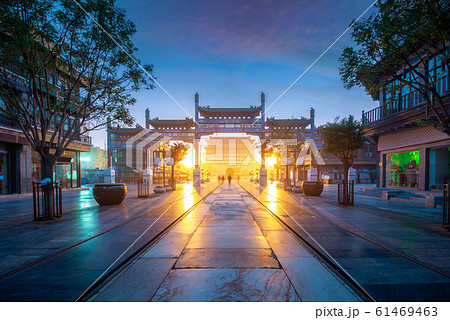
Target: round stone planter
point(312, 188)
point(297, 189)
point(168, 188)
point(159, 189)
point(109, 194)
point(289, 188)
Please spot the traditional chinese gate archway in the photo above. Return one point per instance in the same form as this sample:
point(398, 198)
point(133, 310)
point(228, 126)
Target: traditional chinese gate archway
point(208, 121)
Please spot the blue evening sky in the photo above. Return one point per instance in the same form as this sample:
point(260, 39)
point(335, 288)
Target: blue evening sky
point(230, 51)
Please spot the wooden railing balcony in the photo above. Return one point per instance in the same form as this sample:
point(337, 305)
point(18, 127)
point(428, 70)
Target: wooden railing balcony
point(4, 121)
point(403, 102)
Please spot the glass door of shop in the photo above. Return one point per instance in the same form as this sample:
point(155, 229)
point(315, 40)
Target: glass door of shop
point(64, 174)
point(439, 167)
point(4, 187)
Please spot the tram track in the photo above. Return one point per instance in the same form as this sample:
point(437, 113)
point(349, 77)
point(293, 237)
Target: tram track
point(323, 248)
point(127, 222)
point(104, 278)
point(335, 266)
point(394, 251)
point(332, 267)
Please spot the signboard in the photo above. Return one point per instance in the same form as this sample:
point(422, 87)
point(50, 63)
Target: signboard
point(289, 161)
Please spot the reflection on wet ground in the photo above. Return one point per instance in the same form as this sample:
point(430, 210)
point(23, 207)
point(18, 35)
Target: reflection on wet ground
point(113, 228)
point(411, 230)
point(227, 251)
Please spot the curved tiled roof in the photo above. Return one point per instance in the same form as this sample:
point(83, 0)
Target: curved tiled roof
point(288, 123)
point(175, 123)
point(229, 112)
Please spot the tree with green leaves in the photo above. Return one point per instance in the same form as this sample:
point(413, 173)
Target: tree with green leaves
point(65, 66)
point(98, 158)
point(178, 152)
point(402, 52)
point(276, 141)
point(343, 138)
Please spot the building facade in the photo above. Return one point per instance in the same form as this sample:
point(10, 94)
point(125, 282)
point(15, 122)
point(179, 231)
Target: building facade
point(20, 165)
point(413, 152)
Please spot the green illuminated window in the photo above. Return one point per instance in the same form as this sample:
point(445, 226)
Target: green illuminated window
point(402, 169)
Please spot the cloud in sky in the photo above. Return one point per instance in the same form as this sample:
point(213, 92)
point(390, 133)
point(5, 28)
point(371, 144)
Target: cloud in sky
point(230, 51)
point(245, 27)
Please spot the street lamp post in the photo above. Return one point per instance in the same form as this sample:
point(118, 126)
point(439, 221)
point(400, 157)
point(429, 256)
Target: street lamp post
point(164, 167)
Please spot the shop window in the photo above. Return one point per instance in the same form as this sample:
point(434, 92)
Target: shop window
point(3, 172)
point(439, 167)
point(402, 169)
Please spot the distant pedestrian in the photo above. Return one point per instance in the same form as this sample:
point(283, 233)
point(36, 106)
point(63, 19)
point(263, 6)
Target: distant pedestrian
point(229, 179)
point(237, 178)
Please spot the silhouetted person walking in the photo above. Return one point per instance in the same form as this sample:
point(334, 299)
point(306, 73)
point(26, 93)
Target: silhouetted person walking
point(229, 179)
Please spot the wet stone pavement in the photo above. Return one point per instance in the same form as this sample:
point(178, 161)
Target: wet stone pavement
point(81, 245)
point(228, 249)
point(343, 232)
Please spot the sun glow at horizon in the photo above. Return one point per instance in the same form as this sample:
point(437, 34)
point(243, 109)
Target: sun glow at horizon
point(271, 161)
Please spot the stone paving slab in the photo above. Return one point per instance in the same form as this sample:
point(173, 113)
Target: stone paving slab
point(285, 245)
point(228, 241)
point(223, 285)
point(228, 223)
point(268, 223)
point(224, 231)
point(168, 247)
point(227, 259)
point(139, 282)
point(313, 284)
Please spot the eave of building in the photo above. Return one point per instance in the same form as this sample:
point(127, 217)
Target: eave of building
point(171, 123)
point(229, 112)
point(288, 123)
point(356, 161)
point(17, 136)
point(124, 131)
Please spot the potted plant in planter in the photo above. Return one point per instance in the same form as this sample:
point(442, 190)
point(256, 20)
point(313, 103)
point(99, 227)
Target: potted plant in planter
point(108, 194)
point(312, 188)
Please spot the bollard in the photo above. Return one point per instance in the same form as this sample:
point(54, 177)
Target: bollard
point(446, 208)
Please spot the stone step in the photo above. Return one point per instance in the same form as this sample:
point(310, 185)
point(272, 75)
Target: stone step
point(409, 200)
